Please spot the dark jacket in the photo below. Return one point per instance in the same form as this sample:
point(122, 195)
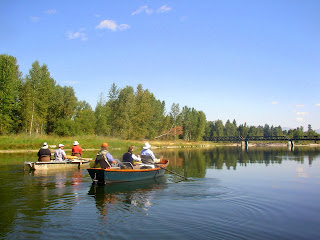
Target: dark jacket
point(127, 157)
point(44, 152)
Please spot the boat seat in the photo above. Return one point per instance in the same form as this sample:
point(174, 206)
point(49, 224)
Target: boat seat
point(147, 159)
point(129, 164)
point(44, 158)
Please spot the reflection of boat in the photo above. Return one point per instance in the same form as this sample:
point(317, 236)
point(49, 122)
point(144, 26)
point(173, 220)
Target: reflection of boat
point(68, 163)
point(140, 186)
point(130, 196)
point(110, 175)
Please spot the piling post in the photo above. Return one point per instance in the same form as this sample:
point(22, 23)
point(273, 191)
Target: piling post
point(290, 145)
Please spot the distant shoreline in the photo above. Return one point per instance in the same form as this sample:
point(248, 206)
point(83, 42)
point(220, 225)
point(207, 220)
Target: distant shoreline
point(250, 145)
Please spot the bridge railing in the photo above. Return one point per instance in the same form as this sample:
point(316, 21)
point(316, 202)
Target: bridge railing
point(262, 138)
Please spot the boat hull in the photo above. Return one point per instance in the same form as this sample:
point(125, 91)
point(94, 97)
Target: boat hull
point(57, 165)
point(101, 175)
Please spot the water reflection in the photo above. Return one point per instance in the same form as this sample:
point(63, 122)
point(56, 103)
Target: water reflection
point(194, 162)
point(129, 196)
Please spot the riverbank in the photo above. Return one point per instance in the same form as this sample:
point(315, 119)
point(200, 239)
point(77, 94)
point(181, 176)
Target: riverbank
point(25, 143)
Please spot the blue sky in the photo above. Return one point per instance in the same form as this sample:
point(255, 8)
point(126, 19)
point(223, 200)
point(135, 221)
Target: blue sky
point(254, 61)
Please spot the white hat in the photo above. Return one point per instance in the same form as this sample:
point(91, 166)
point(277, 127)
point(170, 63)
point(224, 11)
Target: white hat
point(45, 144)
point(75, 143)
point(61, 145)
point(146, 146)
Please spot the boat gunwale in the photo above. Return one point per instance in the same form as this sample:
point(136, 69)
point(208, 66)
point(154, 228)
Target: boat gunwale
point(161, 166)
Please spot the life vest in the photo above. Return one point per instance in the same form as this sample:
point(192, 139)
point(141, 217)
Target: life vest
point(101, 155)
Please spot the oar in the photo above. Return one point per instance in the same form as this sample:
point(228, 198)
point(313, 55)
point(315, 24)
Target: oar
point(172, 172)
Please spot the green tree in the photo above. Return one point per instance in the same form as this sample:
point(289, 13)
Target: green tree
point(10, 80)
point(84, 119)
point(124, 105)
point(218, 129)
point(102, 116)
point(243, 130)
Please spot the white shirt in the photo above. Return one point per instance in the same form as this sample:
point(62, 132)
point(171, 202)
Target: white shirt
point(59, 154)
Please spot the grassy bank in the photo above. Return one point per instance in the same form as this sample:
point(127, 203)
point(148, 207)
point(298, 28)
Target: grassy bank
point(22, 143)
point(26, 142)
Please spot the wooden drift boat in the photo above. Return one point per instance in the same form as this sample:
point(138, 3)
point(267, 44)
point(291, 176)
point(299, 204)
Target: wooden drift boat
point(68, 163)
point(115, 174)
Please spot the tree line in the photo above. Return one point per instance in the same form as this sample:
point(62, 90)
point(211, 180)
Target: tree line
point(36, 104)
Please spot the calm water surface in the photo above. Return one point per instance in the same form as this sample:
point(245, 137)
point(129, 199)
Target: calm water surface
point(231, 194)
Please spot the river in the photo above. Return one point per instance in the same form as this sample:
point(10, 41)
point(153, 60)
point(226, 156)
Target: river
point(262, 193)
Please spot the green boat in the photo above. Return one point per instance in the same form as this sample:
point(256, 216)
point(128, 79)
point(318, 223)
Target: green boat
point(133, 173)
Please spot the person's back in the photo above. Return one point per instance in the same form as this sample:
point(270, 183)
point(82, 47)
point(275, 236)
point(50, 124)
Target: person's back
point(60, 154)
point(147, 156)
point(44, 154)
point(76, 149)
point(127, 157)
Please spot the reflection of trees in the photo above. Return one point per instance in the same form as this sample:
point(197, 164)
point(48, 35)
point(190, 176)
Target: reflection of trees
point(29, 196)
point(193, 162)
point(129, 196)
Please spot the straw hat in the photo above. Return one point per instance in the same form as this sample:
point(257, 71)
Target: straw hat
point(146, 146)
point(75, 143)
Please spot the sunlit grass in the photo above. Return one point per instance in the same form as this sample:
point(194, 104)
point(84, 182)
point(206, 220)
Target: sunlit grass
point(34, 142)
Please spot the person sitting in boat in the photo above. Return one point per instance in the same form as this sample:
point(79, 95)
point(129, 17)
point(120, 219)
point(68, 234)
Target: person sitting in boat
point(60, 154)
point(44, 154)
point(147, 156)
point(105, 158)
point(76, 149)
point(130, 157)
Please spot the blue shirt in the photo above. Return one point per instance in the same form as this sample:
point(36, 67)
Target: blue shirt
point(109, 158)
point(148, 152)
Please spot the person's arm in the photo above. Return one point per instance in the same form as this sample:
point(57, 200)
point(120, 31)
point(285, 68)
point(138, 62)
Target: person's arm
point(110, 158)
point(95, 163)
point(136, 158)
point(64, 155)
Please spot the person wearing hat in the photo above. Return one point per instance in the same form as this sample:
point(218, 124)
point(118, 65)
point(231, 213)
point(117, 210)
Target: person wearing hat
point(44, 154)
point(105, 158)
point(76, 149)
point(147, 156)
point(130, 157)
point(60, 154)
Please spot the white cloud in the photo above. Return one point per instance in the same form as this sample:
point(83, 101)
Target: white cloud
point(274, 102)
point(112, 25)
point(51, 11)
point(318, 104)
point(299, 119)
point(299, 105)
point(302, 113)
point(164, 9)
point(77, 35)
point(142, 9)
point(35, 19)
